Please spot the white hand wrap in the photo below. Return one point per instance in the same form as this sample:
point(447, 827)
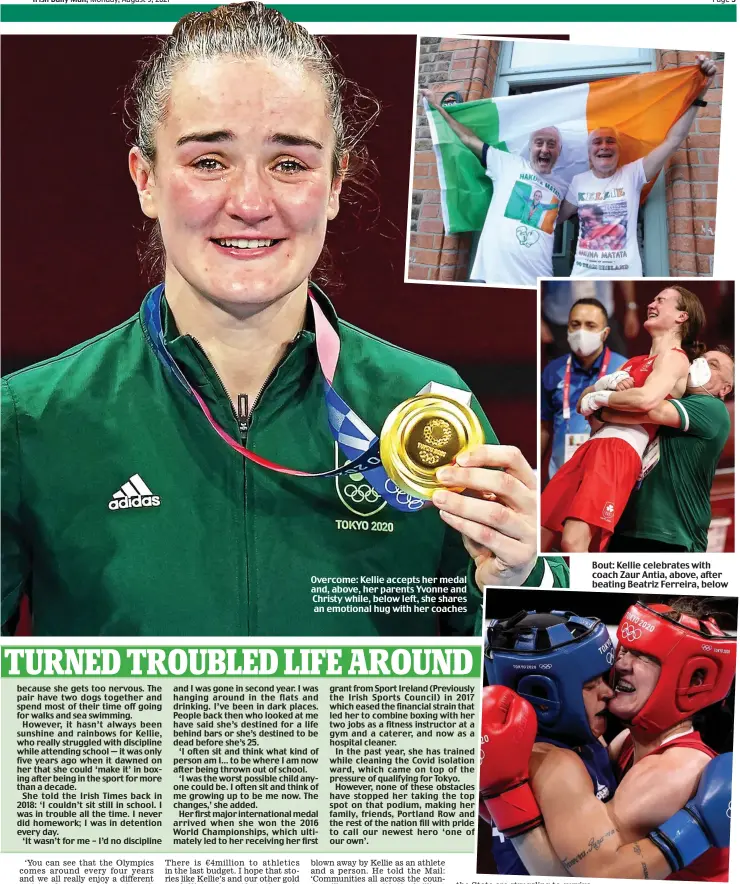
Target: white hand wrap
point(610, 381)
point(592, 402)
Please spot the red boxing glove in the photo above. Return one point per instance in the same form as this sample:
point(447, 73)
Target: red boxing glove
point(483, 811)
point(508, 732)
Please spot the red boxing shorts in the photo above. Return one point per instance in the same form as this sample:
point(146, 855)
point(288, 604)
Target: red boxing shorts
point(593, 487)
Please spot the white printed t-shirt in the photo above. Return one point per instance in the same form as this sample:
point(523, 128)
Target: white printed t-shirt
point(607, 216)
point(516, 242)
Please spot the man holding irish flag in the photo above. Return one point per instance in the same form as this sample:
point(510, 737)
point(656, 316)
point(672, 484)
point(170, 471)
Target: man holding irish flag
point(517, 238)
point(612, 192)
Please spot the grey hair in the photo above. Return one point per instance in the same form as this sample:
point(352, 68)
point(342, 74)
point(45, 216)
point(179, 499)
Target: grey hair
point(247, 31)
point(604, 129)
point(554, 128)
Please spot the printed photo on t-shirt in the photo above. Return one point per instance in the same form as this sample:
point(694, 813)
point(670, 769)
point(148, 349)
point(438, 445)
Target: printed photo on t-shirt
point(603, 234)
point(603, 228)
point(533, 206)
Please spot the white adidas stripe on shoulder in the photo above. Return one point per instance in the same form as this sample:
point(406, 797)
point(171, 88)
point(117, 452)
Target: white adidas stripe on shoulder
point(682, 408)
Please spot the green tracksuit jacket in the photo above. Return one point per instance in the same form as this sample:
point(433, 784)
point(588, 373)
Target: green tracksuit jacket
point(213, 544)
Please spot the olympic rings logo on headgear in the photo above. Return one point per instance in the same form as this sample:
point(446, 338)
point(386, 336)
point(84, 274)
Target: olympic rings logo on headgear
point(727, 812)
point(545, 665)
point(706, 647)
point(630, 632)
point(610, 658)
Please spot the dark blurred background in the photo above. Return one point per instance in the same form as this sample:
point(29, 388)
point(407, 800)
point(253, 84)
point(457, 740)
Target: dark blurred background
point(71, 223)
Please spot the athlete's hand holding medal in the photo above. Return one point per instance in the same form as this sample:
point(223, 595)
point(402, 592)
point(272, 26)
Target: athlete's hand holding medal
point(432, 447)
point(494, 507)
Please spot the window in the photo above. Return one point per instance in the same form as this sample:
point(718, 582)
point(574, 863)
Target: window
point(525, 57)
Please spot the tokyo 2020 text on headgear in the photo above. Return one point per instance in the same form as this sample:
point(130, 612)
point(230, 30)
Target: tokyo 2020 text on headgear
point(684, 649)
point(547, 658)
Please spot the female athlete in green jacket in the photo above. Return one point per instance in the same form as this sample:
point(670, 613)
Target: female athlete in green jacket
point(129, 505)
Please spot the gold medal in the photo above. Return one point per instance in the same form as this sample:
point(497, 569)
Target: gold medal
point(423, 434)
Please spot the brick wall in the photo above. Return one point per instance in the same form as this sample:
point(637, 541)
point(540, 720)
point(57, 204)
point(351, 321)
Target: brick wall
point(445, 65)
point(691, 180)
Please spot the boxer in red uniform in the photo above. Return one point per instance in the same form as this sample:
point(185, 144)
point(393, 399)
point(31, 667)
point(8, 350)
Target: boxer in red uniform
point(583, 502)
point(669, 665)
point(670, 814)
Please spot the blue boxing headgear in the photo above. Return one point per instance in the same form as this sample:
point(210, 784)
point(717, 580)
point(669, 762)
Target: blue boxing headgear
point(547, 658)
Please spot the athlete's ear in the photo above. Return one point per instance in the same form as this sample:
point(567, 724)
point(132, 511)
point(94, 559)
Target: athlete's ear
point(332, 209)
point(142, 173)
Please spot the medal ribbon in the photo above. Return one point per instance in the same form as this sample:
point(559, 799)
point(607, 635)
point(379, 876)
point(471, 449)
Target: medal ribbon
point(566, 380)
point(355, 439)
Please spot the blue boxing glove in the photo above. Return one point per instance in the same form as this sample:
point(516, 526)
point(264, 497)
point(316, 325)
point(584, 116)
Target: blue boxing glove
point(705, 820)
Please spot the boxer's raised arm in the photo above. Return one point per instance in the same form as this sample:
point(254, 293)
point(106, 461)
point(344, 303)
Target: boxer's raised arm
point(581, 829)
point(658, 787)
point(537, 853)
point(665, 415)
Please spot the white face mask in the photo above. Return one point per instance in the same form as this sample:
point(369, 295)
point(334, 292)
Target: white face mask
point(584, 342)
point(699, 373)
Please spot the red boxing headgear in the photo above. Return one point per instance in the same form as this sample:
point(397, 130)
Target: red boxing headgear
point(683, 649)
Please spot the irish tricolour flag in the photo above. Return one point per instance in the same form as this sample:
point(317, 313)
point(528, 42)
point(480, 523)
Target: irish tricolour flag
point(641, 107)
